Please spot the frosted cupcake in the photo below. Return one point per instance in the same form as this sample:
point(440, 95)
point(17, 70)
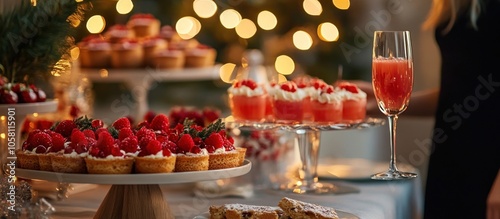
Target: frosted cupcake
point(168, 59)
point(117, 33)
point(201, 56)
point(151, 46)
point(127, 54)
point(327, 106)
point(144, 25)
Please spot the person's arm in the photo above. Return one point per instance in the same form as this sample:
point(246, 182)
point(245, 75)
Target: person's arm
point(422, 103)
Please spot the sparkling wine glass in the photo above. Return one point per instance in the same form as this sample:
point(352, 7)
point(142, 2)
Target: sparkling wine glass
point(392, 79)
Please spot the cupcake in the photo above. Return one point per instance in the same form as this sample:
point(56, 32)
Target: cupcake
point(127, 54)
point(99, 53)
point(168, 59)
point(168, 33)
point(288, 102)
point(327, 105)
point(84, 57)
point(144, 25)
point(354, 102)
point(248, 100)
point(201, 56)
point(151, 46)
point(106, 157)
point(117, 33)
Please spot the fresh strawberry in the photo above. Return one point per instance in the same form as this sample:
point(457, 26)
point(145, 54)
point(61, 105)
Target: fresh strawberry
point(349, 87)
point(195, 150)
point(8, 96)
point(129, 144)
point(65, 128)
point(40, 149)
point(144, 124)
point(185, 143)
point(122, 122)
point(153, 147)
point(77, 136)
point(144, 132)
point(40, 94)
point(170, 145)
point(17, 87)
point(150, 115)
point(289, 86)
point(124, 133)
point(105, 140)
point(89, 133)
point(318, 84)
point(215, 139)
point(69, 149)
point(94, 151)
point(57, 142)
point(166, 152)
point(97, 123)
point(143, 142)
point(160, 123)
point(130, 120)
point(27, 95)
point(42, 138)
point(249, 83)
point(210, 148)
point(99, 130)
point(116, 151)
point(328, 89)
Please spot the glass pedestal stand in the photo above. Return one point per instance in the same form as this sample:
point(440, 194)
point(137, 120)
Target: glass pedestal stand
point(308, 139)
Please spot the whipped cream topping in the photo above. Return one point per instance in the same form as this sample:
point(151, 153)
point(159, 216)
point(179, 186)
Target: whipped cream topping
point(109, 157)
point(74, 154)
point(157, 155)
point(311, 92)
point(324, 97)
point(244, 90)
point(279, 94)
point(203, 152)
point(141, 21)
point(352, 96)
point(219, 151)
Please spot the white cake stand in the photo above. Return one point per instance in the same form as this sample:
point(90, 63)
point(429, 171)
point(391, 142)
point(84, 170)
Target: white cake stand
point(135, 196)
point(12, 119)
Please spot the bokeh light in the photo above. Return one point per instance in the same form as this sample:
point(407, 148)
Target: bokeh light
point(187, 27)
point(74, 53)
point(226, 71)
point(284, 65)
point(342, 4)
point(204, 8)
point(230, 18)
point(328, 32)
point(124, 6)
point(302, 40)
point(312, 7)
point(246, 29)
point(267, 20)
point(96, 24)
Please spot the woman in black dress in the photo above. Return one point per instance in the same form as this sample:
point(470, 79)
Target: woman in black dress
point(466, 138)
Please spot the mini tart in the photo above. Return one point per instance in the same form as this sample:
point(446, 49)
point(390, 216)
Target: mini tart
point(226, 159)
point(45, 161)
point(241, 155)
point(27, 160)
point(152, 164)
point(67, 163)
point(191, 162)
point(114, 165)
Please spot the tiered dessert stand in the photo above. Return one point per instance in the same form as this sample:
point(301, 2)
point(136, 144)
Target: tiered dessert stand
point(308, 137)
point(135, 196)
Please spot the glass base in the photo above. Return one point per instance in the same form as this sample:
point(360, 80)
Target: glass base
point(318, 188)
point(394, 175)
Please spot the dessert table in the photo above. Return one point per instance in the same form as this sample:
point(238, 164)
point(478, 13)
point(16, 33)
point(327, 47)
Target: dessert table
point(376, 200)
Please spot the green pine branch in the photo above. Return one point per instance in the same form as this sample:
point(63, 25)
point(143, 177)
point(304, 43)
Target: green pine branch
point(35, 38)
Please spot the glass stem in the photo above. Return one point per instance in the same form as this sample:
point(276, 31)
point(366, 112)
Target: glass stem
point(308, 142)
point(392, 129)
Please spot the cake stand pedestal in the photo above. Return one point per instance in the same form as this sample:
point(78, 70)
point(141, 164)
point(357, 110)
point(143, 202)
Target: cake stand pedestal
point(308, 138)
point(135, 196)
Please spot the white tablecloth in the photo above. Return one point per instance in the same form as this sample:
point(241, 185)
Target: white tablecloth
point(376, 200)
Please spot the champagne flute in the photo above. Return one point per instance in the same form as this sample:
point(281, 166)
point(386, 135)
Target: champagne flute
point(392, 79)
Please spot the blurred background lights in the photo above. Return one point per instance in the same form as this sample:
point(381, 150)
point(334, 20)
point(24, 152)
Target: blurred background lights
point(342, 4)
point(328, 32)
point(312, 7)
point(74, 53)
point(226, 71)
point(284, 65)
point(204, 8)
point(267, 20)
point(230, 18)
point(246, 29)
point(302, 40)
point(187, 27)
point(124, 6)
point(96, 24)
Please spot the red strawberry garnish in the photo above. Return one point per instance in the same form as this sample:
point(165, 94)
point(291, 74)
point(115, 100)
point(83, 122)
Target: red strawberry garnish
point(328, 89)
point(160, 123)
point(318, 84)
point(97, 123)
point(8, 96)
point(150, 115)
point(77, 136)
point(145, 132)
point(40, 95)
point(166, 152)
point(42, 138)
point(195, 150)
point(130, 144)
point(105, 140)
point(89, 133)
point(215, 139)
point(116, 151)
point(170, 145)
point(289, 86)
point(124, 133)
point(185, 143)
point(122, 122)
point(349, 87)
point(210, 148)
point(153, 147)
point(249, 83)
point(40, 149)
point(57, 142)
point(65, 128)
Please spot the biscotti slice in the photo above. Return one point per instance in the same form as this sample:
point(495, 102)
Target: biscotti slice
point(238, 211)
point(303, 210)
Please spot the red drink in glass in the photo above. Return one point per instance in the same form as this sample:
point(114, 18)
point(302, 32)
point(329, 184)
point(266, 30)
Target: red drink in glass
point(392, 84)
point(248, 108)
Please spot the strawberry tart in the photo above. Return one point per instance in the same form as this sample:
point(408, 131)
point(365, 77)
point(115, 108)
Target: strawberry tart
point(72, 160)
point(248, 100)
point(190, 157)
point(155, 155)
point(36, 144)
point(354, 102)
point(106, 157)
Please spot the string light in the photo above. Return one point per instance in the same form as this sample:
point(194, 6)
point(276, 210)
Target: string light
point(284, 65)
point(302, 40)
point(328, 32)
point(187, 27)
point(267, 20)
point(312, 7)
point(124, 6)
point(230, 18)
point(246, 29)
point(96, 24)
point(226, 71)
point(204, 8)
point(342, 4)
